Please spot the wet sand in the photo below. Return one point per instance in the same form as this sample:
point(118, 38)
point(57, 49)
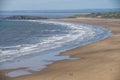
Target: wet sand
point(98, 61)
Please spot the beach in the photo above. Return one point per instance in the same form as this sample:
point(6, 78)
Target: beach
point(98, 61)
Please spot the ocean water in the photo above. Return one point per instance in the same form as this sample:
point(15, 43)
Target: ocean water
point(34, 44)
point(55, 13)
point(46, 15)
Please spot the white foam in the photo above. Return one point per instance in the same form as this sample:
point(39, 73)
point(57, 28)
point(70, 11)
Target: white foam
point(78, 32)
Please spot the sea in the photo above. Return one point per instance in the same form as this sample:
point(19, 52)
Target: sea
point(55, 13)
point(34, 44)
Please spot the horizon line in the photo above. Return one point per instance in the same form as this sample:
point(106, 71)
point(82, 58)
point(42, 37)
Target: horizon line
point(61, 9)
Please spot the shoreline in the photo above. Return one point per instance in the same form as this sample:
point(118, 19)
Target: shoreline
point(90, 66)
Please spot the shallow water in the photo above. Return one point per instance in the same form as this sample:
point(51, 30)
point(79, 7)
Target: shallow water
point(35, 44)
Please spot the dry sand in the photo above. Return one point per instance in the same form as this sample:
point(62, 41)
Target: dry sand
point(98, 61)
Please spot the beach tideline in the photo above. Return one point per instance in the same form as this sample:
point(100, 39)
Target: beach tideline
point(98, 61)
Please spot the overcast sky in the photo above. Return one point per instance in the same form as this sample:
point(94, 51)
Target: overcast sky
point(57, 4)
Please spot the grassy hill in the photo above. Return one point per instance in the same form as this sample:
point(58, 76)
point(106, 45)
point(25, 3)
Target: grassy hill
point(114, 15)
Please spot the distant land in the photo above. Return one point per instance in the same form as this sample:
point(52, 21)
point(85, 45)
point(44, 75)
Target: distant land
point(110, 15)
point(114, 15)
point(43, 14)
point(25, 17)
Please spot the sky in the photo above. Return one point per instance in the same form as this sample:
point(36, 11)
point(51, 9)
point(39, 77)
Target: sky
point(57, 4)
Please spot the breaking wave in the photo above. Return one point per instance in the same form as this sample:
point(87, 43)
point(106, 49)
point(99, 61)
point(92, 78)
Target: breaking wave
point(77, 35)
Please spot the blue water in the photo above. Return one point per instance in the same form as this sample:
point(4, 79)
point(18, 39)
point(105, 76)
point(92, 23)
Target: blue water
point(46, 15)
point(55, 13)
point(33, 44)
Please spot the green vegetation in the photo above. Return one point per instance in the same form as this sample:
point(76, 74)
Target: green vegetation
point(19, 17)
point(114, 15)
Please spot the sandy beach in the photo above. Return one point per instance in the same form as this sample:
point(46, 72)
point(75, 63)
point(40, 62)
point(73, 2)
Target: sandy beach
point(98, 61)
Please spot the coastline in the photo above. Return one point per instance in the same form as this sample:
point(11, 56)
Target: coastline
point(98, 61)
